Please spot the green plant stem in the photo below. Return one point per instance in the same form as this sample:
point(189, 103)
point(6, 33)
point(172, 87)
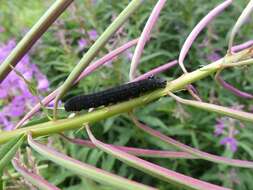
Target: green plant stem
point(100, 114)
point(236, 114)
point(95, 48)
point(32, 36)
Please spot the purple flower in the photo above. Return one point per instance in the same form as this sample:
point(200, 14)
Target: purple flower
point(93, 34)
point(51, 104)
point(213, 57)
point(82, 43)
point(3, 93)
point(43, 84)
point(4, 121)
point(14, 93)
point(228, 128)
point(230, 142)
point(219, 127)
point(16, 107)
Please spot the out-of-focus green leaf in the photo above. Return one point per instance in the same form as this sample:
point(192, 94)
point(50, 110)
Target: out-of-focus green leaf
point(1, 181)
point(8, 150)
point(247, 148)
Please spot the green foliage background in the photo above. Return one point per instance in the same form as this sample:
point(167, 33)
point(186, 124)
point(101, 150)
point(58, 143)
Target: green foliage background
point(188, 125)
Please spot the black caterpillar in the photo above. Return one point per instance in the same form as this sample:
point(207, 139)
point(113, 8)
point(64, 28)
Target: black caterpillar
point(114, 95)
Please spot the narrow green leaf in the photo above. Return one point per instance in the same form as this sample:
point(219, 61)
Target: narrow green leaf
point(246, 147)
point(193, 151)
point(86, 170)
point(159, 172)
point(230, 112)
point(33, 178)
point(8, 151)
point(6, 147)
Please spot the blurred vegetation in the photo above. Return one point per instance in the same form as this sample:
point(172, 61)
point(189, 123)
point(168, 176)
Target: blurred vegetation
point(57, 52)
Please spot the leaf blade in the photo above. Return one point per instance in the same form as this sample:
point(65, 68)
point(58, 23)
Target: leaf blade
point(153, 169)
point(85, 169)
point(36, 180)
point(9, 153)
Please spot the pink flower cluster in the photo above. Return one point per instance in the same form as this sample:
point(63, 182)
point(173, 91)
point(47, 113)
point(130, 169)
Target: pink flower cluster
point(15, 98)
point(227, 128)
point(82, 43)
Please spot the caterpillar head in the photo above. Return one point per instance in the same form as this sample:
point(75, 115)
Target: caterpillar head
point(159, 82)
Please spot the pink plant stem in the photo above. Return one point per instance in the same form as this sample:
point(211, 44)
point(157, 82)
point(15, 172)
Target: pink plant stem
point(157, 70)
point(197, 29)
point(194, 92)
point(232, 89)
point(32, 177)
point(135, 151)
point(86, 72)
point(145, 35)
point(106, 58)
point(193, 151)
point(240, 47)
point(36, 108)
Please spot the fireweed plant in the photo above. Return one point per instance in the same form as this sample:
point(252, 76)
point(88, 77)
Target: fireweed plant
point(18, 132)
